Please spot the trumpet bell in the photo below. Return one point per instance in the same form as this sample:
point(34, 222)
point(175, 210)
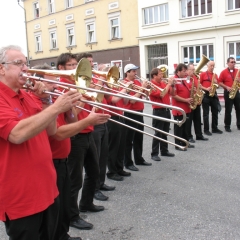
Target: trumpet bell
point(111, 76)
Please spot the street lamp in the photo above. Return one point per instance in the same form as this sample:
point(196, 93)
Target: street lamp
point(25, 31)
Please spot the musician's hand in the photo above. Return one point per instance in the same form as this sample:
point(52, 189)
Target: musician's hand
point(209, 89)
point(97, 118)
point(67, 101)
point(145, 84)
point(171, 81)
point(189, 100)
point(215, 80)
point(229, 89)
point(39, 88)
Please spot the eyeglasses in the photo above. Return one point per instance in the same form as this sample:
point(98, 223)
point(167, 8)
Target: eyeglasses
point(71, 64)
point(233, 62)
point(18, 63)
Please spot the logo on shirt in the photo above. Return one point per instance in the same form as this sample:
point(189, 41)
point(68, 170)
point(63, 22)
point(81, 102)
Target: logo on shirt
point(19, 112)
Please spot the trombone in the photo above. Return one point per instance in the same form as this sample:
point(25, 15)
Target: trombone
point(82, 76)
point(130, 119)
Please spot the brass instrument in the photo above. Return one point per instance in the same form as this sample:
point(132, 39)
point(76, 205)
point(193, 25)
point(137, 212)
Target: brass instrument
point(164, 69)
point(111, 76)
point(82, 74)
point(193, 96)
point(200, 93)
point(235, 86)
point(214, 86)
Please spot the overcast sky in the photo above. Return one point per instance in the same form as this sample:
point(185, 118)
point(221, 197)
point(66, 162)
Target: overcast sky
point(12, 24)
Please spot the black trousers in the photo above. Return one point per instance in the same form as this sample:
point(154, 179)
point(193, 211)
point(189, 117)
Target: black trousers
point(162, 125)
point(63, 183)
point(195, 117)
point(182, 131)
point(39, 226)
point(100, 136)
point(116, 144)
point(83, 154)
point(228, 109)
point(210, 102)
point(134, 140)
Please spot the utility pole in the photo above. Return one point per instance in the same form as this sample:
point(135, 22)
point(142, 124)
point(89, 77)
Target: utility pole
point(25, 21)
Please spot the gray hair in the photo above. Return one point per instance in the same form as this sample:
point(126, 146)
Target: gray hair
point(4, 50)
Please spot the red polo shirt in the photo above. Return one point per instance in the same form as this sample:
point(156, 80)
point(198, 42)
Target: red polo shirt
point(206, 78)
point(227, 77)
point(60, 149)
point(155, 94)
point(137, 106)
point(182, 90)
point(83, 114)
point(28, 177)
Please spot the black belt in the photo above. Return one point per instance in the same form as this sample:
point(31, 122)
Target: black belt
point(161, 109)
point(60, 160)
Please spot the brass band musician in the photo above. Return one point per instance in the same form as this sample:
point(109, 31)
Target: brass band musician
point(209, 79)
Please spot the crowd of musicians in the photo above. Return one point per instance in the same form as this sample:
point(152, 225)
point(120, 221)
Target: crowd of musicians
point(53, 147)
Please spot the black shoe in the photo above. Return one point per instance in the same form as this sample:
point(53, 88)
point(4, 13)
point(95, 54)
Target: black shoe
point(74, 238)
point(168, 154)
point(191, 140)
point(144, 163)
point(124, 173)
point(115, 177)
point(180, 149)
point(238, 127)
point(156, 158)
point(81, 224)
point(217, 131)
point(107, 188)
point(207, 133)
point(202, 138)
point(227, 129)
point(132, 168)
point(191, 146)
point(98, 195)
point(91, 208)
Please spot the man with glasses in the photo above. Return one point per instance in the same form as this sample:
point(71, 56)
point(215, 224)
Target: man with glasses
point(226, 80)
point(29, 194)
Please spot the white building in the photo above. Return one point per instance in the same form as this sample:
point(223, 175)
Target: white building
point(180, 31)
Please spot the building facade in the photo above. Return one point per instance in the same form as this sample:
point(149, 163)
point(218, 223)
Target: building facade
point(108, 29)
point(180, 31)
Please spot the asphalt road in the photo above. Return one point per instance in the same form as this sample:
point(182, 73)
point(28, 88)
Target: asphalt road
point(194, 195)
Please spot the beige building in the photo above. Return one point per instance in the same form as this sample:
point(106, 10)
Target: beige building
point(106, 28)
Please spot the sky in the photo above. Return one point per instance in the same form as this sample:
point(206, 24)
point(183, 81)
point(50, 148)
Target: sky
point(12, 24)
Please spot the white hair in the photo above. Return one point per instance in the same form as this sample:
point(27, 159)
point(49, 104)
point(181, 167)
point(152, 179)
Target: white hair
point(3, 51)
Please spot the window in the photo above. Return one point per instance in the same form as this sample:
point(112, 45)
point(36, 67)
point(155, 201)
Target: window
point(115, 28)
point(234, 50)
point(114, 22)
point(193, 54)
point(155, 14)
point(69, 3)
point(53, 39)
point(36, 9)
point(91, 33)
point(51, 6)
point(38, 42)
point(192, 8)
point(70, 36)
point(233, 4)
